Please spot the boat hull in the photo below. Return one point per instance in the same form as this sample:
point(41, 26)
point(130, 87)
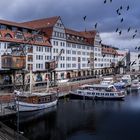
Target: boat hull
point(23, 106)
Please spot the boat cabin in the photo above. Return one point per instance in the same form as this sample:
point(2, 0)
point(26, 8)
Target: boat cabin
point(37, 98)
point(96, 87)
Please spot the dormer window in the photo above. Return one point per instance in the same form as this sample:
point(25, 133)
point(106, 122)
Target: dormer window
point(19, 35)
point(8, 36)
point(39, 39)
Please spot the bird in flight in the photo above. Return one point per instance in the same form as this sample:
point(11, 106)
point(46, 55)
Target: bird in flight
point(84, 18)
point(135, 48)
point(134, 36)
point(117, 30)
point(135, 31)
point(95, 25)
point(120, 32)
point(128, 7)
point(104, 1)
point(128, 29)
point(120, 7)
point(110, 0)
point(138, 56)
point(117, 11)
point(103, 55)
point(121, 19)
point(100, 41)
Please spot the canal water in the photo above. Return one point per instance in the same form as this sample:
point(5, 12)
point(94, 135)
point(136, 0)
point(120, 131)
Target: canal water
point(84, 120)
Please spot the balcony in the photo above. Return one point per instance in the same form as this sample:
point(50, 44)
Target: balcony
point(13, 62)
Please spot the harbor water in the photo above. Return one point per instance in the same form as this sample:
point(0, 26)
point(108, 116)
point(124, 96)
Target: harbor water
point(83, 120)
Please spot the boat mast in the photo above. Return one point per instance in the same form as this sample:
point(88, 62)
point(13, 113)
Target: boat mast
point(30, 80)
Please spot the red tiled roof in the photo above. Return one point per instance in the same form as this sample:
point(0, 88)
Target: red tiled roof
point(5, 22)
point(73, 32)
point(41, 23)
point(26, 35)
point(89, 34)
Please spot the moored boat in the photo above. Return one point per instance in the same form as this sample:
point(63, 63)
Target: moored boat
point(97, 92)
point(135, 85)
point(35, 101)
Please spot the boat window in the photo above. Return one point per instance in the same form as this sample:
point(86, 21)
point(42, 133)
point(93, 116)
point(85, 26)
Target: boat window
point(88, 93)
point(93, 93)
point(102, 93)
point(79, 92)
point(97, 93)
point(111, 94)
point(107, 94)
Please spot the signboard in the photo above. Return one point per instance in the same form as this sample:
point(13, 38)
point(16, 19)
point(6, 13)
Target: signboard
point(50, 65)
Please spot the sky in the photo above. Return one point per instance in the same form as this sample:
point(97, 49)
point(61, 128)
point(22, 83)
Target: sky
point(73, 11)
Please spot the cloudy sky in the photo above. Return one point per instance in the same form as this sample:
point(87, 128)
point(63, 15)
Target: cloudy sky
point(73, 11)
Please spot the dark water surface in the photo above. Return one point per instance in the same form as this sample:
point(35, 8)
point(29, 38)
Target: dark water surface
point(85, 120)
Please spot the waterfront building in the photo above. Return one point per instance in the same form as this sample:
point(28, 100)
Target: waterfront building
point(82, 51)
point(36, 49)
point(135, 62)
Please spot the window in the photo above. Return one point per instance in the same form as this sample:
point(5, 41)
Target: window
point(39, 39)
point(8, 36)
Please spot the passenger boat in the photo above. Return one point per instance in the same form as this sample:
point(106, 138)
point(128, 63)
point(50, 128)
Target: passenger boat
point(135, 85)
point(31, 101)
point(127, 80)
point(97, 91)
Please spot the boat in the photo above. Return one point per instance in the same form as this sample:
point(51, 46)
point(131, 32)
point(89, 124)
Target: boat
point(97, 91)
point(32, 101)
point(127, 80)
point(135, 85)
point(120, 85)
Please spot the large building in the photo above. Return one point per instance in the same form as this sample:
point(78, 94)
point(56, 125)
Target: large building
point(44, 39)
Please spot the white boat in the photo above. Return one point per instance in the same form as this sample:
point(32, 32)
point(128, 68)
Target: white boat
point(135, 84)
point(97, 91)
point(107, 81)
point(31, 101)
point(34, 101)
point(127, 80)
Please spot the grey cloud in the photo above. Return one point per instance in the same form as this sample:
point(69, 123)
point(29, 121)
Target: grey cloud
point(72, 12)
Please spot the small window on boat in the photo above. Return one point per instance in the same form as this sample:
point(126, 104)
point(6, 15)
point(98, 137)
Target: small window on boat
point(88, 93)
point(93, 93)
point(111, 94)
point(102, 93)
point(107, 94)
point(79, 92)
point(97, 93)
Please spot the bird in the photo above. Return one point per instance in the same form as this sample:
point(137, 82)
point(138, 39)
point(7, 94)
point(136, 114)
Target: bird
point(128, 7)
point(95, 59)
point(133, 63)
point(129, 63)
point(121, 19)
point(120, 7)
point(117, 30)
point(110, 0)
point(100, 41)
point(128, 29)
point(119, 14)
point(95, 25)
point(104, 1)
point(84, 18)
point(117, 11)
point(134, 36)
point(135, 31)
point(120, 32)
point(139, 48)
point(135, 48)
